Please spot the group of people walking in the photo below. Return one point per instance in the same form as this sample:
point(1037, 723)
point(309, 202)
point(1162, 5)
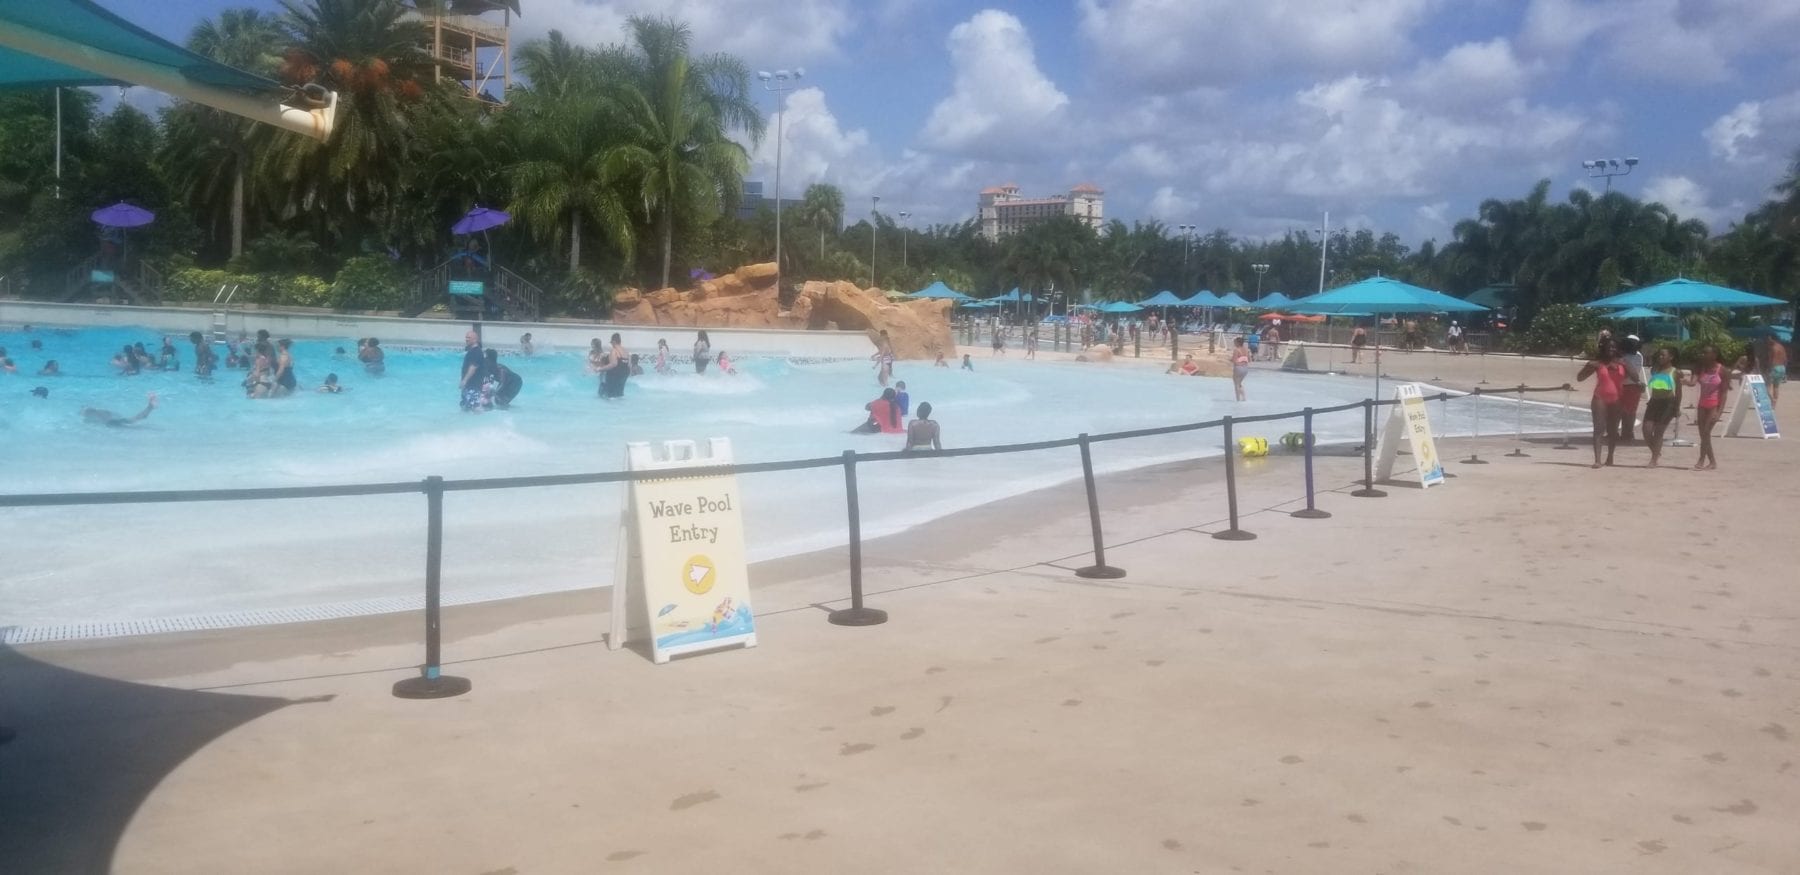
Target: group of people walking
point(1624, 379)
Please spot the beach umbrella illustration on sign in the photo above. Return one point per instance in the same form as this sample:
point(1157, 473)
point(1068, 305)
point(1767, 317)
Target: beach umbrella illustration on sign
point(478, 220)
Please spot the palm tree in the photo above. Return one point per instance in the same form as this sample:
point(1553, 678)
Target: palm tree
point(562, 177)
point(371, 54)
point(677, 156)
point(822, 207)
point(208, 153)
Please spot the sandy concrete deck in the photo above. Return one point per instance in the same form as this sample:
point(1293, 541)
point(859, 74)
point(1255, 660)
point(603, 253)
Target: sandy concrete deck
point(1540, 668)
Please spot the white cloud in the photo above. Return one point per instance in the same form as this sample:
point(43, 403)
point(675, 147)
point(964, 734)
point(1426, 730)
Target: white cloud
point(1001, 103)
point(1730, 133)
point(1472, 72)
point(1691, 200)
point(1174, 45)
point(816, 147)
point(1685, 41)
point(770, 33)
point(1756, 134)
point(1170, 207)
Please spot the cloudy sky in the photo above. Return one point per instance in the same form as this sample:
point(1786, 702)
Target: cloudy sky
point(1250, 115)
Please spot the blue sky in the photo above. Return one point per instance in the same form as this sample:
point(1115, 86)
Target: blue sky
point(1249, 115)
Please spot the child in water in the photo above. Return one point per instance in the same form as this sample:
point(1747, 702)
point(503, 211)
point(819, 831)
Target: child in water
point(967, 364)
point(637, 370)
point(725, 364)
point(331, 385)
point(662, 356)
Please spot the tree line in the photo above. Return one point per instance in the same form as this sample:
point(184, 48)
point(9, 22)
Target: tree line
point(624, 164)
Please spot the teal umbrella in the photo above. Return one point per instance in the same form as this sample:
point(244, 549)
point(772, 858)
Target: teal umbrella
point(1273, 301)
point(1118, 307)
point(1201, 299)
point(939, 292)
point(1684, 294)
point(1639, 313)
point(1383, 295)
point(1233, 299)
point(1015, 296)
point(1163, 298)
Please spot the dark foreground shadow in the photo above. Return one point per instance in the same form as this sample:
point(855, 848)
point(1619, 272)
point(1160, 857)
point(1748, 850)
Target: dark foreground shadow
point(87, 752)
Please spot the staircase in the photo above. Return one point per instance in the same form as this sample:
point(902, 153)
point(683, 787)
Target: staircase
point(506, 296)
point(80, 282)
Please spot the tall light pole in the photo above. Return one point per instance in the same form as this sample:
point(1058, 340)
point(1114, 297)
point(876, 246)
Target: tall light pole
point(1260, 270)
point(1187, 240)
point(1324, 247)
point(1609, 168)
point(874, 201)
point(905, 235)
point(779, 83)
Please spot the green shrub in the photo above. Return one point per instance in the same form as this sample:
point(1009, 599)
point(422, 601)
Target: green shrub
point(1560, 329)
point(370, 282)
point(193, 284)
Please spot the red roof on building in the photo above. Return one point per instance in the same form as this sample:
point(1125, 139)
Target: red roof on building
point(1088, 188)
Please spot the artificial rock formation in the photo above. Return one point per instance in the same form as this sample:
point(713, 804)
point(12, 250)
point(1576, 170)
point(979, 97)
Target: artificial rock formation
point(748, 298)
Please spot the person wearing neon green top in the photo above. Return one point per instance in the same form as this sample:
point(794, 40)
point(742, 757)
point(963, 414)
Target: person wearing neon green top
point(1664, 404)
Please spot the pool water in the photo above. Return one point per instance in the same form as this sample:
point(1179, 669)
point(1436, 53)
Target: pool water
point(239, 561)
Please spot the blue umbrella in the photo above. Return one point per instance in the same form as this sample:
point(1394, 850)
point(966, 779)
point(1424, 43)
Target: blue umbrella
point(1201, 299)
point(1233, 299)
point(1118, 307)
point(1273, 301)
point(1678, 294)
point(1638, 313)
point(1383, 295)
point(123, 215)
point(1163, 298)
point(478, 220)
point(939, 292)
point(1015, 296)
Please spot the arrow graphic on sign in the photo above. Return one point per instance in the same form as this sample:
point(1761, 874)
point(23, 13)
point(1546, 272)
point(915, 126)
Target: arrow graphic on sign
point(698, 573)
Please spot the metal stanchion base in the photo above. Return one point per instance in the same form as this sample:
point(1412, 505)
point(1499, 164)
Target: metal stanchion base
point(1474, 460)
point(440, 687)
point(1680, 442)
point(1565, 445)
point(857, 617)
point(1369, 493)
point(1517, 454)
point(1233, 535)
point(1310, 513)
point(1100, 572)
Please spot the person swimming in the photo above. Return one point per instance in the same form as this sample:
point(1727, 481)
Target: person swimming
point(165, 358)
point(330, 386)
point(101, 416)
point(968, 364)
point(725, 366)
point(50, 369)
point(127, 362)
point(525, 344)
point(884, 416)
point(637, 370)
point(507, 382)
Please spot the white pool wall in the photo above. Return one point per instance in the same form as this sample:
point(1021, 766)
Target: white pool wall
point(399, 330)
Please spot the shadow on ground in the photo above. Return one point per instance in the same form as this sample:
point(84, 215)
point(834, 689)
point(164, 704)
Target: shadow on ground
point(88, 751)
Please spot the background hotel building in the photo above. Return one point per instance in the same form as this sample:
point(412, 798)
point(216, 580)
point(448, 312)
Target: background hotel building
point(1004, 212)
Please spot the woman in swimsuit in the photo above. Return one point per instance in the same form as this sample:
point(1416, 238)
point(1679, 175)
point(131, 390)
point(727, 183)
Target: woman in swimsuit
point(284, 368)
point(258, 384)
point(507, 382)
point(596, 357)
point(1714, 383)
point(617, 370)
point(1665, 402)
point(1240, 365)
point(923, 433)
point(662, 356)
point(1609, 386)
point(702, 353)
point(884, 416)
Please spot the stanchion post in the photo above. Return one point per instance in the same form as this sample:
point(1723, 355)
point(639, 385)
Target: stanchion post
point(1568, 393)
point(856, 614)
point(1444, 399)
point(1099, 570)
point(1474, 455)
point(1519, 428)
point(1306, 437)
point(1369, 490)
point(1174, 343)
point(1234, 533)
point(432, 683)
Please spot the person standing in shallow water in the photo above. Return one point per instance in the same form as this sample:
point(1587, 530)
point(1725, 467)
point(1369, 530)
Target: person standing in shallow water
point(702, 353)
point(474, 369)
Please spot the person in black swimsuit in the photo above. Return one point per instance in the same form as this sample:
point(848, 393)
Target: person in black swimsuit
point(509, 380)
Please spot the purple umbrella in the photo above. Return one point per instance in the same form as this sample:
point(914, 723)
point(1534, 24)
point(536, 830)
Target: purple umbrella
point(123, 215)
point(478, 220)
